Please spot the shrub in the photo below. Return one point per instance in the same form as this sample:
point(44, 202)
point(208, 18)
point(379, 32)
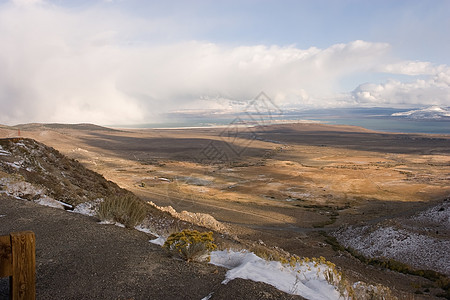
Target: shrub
point(125, 209)
point(191, 245)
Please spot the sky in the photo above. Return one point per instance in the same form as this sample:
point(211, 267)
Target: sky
point(134, 61)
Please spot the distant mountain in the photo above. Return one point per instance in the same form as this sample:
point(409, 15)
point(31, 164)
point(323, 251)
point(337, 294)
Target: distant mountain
point(83, 126)
point(432, 112)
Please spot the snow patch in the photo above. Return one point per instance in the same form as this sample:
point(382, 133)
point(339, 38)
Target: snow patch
point(47, 201)
point(145, 229)
point(158, 241)
point(20, 188)
point(432, 112)
point(3, 152)
point(307, 280)
point(208, 297)
point(14, 164)
point(439, 214)
point(26, 191)
point(108, 222)
point(415, 249)
point(88, 208)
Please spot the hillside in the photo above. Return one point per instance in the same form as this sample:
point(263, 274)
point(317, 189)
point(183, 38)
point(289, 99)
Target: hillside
point(406, 238)
point(61, 178)
point(43, 126)
point(79, 259)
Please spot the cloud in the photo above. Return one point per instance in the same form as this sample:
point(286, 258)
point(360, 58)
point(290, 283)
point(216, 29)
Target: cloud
point(25, 3)
point(60, 65)
point(183, 72)
point(413, 68)
point(420, 92)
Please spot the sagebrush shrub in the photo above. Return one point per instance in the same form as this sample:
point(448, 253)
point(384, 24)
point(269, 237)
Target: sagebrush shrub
point(191, 245)
point(125, 209)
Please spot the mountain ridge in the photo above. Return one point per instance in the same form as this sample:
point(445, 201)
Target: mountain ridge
point(428, 113)
point(75, 126)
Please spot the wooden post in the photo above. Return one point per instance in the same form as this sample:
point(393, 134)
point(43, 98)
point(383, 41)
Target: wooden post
point(18, 261)
point(5, 256)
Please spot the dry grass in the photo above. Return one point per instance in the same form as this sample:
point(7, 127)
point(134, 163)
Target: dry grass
point(125, 209)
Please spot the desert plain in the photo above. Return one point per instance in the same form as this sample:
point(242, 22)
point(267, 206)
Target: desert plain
point(285, 185)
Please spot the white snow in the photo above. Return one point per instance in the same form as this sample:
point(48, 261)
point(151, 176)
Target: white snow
point(158, 241)
point(47, 201)
point(19, 188)
point(14, 165)
point(420, 240)
point(439, 214)
point(88, 208)
point(3, 152)
point(432, 112)
point(306, 280)
point(108, 222)
point(418, 250)
point(145, 229)
point(64, 204)
point(208, 297)
point(142, 228)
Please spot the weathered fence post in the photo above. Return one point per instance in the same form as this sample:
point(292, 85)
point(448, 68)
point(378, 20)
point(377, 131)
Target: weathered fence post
point(18, 261)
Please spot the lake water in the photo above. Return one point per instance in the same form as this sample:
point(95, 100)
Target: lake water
point(394, 125)
point(379, 124)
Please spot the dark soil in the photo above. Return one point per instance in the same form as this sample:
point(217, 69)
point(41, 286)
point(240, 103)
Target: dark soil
point(76, 258)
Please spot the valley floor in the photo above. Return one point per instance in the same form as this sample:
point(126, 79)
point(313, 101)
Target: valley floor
point(285, 186)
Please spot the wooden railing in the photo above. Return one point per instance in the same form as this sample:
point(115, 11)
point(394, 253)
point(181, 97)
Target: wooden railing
point(18, 262)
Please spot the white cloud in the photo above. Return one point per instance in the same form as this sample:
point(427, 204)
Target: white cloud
point(413, 68)
point(420, 92)
point(27, 3)
point(60, 65)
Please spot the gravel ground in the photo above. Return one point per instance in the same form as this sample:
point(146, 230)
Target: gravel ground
point(76, 258)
